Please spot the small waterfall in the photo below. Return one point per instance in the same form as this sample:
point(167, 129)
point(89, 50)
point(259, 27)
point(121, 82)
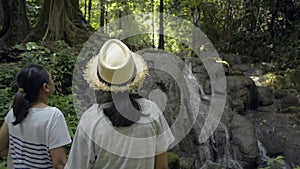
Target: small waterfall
point(223, 151)
point(262, 152)
point(216, 151)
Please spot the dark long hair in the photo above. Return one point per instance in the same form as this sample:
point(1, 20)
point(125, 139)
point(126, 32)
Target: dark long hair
point(30, 79)
point(124, 118)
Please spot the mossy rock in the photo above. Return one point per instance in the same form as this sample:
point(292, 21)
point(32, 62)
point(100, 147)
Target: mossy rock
point(291, 110)
point(173, 161)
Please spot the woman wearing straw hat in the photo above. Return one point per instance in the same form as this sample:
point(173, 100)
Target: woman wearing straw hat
point(124, 130)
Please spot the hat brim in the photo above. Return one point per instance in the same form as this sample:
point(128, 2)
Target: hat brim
point(91, 77)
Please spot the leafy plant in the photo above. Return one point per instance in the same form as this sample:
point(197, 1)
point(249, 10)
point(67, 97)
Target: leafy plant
point(279, 160)
point(7, 87)
point(3, 163)
point(59, 61)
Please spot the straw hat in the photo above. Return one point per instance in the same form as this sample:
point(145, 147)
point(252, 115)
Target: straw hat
point(115, 68)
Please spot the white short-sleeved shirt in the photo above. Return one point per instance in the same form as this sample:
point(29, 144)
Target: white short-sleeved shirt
point(30, 141)
point(98, 144)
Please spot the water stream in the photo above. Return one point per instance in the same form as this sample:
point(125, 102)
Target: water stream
point(217, 150)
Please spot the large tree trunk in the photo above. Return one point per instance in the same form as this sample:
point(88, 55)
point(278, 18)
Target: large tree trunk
point(15, 25)
point(61, 20)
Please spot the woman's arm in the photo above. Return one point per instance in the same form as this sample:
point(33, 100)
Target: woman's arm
point(59, 158)
point(161, 161)
point(4, 139)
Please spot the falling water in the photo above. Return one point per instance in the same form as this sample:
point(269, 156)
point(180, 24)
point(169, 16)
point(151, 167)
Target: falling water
point(222, 147)
point(220, 151)
point(216, 151)
point(262, 152)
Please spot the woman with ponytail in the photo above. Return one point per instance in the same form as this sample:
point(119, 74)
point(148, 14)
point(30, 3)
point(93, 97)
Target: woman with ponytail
point(33, 132)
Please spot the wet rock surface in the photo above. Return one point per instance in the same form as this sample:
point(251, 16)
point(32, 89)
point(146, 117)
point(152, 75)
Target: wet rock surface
point(252, 113)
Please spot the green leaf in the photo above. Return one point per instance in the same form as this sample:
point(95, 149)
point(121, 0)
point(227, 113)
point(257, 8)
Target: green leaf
point(280, 161)
point(31, 46)
point(3, 164)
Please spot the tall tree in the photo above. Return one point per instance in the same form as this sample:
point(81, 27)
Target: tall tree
point(15, 25)
point(89, 11)
point(61, 20)
point(5, 17)
point(85, 6)
point(195, 17)
point(102, 14)
point(153, 35)
point(161, 41)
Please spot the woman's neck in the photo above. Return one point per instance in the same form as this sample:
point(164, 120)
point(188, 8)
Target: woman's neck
point(39, 103)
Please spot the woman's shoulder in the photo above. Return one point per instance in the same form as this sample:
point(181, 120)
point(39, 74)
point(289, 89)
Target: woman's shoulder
point(10, 116)
point(91, 112)
point(48, 111)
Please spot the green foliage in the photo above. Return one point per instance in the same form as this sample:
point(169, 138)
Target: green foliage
point(7, 87)
point(173, 160)
point(277, 161)
point(3, 163)
point(7, 74)
point(33, 10)
point(62, 67)
point(287, 79)
point(6, 96)
point(35, 54)
point(60, 62)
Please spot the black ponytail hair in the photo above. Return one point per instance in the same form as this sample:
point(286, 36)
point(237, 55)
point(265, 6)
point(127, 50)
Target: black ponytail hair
point(119, 119)
point(30, 80)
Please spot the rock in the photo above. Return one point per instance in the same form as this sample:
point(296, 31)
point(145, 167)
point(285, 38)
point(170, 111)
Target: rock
point(253, 72)
point(187, 163)
point(272, 108)
point(212, 166)
point(291, 110)
point(279, 134)
point(243, 136)
point(242, 67)
point(207, 87)
point(291, 99)
point(201, 77)
point(242, 93)
point(280, 93)
point(232, 59)
point(265, 96)
point(195, 61)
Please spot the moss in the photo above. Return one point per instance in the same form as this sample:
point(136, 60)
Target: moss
point(173, 161)
point(282, 80)
point(291, 110)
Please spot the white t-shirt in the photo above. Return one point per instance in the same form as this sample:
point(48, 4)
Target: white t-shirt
point(30, 141)
point(98, 144)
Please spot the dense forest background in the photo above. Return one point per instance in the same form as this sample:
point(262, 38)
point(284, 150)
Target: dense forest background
point(52, 33)
point(265, 30)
